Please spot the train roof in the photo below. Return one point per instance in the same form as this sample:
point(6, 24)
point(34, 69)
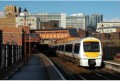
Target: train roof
point(81, 39)
point(77, 41)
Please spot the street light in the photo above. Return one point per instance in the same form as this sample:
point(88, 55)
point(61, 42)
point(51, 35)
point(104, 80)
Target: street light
point(25, 14)
point(102, 34)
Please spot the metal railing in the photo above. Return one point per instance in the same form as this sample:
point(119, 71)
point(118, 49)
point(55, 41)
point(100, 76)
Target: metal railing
point(9, 55)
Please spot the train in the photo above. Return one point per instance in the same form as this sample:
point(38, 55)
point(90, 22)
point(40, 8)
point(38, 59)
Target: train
point(85, 52)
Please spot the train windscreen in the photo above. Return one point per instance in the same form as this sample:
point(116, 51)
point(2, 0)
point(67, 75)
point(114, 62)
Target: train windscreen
point(91, 47)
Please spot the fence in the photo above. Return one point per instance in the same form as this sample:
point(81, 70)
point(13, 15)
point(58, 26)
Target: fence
point(9, 54)
point(110, 52)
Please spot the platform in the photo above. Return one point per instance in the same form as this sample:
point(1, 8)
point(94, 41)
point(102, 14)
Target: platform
point(112, 64)
point(39, 67)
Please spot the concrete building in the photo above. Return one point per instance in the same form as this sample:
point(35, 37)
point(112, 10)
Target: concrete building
point(48, 17)
point(110, 29)
point(83, 21)
point(107, 24)
point(76, 21)
point(31, 21)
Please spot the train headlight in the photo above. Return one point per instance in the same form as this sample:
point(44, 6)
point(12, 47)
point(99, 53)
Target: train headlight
point(100, 55)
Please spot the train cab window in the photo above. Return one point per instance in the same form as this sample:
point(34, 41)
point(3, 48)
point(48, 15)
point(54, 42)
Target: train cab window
point(76, 48)
point(68, 48)
point(91, 46)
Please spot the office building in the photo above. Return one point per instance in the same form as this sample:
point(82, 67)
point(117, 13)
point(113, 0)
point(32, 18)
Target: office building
point(59, 19)
point(77, 21)
point(94, 19)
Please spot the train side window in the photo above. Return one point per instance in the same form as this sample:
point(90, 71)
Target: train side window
point(58, 47)
point(62, 48)
point(76, 48)
point(68, 48)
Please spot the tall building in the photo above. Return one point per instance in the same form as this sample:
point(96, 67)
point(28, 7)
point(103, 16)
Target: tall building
point(48, 17)
point(77, 21)
point(94, 19)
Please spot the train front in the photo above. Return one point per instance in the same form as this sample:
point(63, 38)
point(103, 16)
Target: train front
point(92, 52)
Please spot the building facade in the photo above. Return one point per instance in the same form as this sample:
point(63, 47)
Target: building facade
point(94, 19)
point(49, 35)
point(30, 21)
point(12, 9)
point(108, 29)
point(12, 34)
point(76, 21)
point(9, 19)
point(47, 17)
point(107, 24)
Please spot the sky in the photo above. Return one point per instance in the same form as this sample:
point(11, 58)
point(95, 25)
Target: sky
point(109, 9)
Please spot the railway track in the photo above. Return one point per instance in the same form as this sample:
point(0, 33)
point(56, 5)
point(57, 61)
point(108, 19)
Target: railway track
point(108, 75)
point(72, 71)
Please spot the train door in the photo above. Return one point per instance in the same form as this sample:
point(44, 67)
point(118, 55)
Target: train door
point(77, 52)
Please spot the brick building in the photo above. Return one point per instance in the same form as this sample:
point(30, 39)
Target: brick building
point(12, 9)
point(12, 35)
point(52, 35)
point(7, 21)
point(48, 35)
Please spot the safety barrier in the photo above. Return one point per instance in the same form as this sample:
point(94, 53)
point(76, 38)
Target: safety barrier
point(9, 54)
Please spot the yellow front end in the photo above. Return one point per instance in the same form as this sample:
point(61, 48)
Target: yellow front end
point(92, 54)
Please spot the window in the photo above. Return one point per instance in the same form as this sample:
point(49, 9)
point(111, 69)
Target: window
point(68, 48)
point(76, 48)
point(61, 48)
point(56, 47)
point(91, 46)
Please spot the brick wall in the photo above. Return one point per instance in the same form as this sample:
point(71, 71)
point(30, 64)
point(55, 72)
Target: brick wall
point(8, 22)
point(12, 34)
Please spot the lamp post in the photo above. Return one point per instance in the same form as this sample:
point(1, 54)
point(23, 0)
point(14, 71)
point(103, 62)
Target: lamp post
point(25, 14)
point(102, 34)
point(29, 44)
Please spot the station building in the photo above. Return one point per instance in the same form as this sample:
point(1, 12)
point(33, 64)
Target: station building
point(52, 35)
